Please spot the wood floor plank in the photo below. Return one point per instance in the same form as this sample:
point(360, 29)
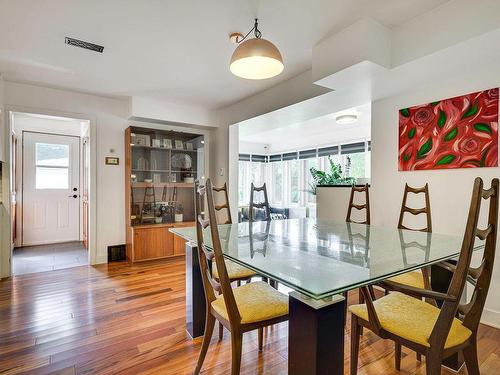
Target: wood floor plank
point(129, 319)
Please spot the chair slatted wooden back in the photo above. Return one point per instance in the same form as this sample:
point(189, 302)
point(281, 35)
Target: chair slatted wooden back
point(259, 205)
point(211, 285)
point(365, 206)
point(416, 211)
point(225, 205)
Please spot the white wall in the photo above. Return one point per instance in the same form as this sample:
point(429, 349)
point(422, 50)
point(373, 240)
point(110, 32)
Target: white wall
point(450, 190)
point(4, 191)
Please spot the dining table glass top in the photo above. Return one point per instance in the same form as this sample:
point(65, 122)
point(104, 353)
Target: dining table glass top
point(322, 257)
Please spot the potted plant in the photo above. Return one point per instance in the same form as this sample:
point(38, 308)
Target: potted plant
point(334, 176)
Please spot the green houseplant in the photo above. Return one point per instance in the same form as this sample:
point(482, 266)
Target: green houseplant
point(334, 176)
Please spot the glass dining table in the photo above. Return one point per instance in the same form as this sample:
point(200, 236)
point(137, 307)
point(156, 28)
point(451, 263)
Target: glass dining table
point(318, 259)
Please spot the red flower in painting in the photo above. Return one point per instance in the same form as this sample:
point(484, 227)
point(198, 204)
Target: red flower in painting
point(460, 132)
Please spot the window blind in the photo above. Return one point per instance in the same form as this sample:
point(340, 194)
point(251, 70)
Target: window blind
point(325, 151)
point(352, 148)
point(244, 157)
point(290, 156)
point(259, 158)
point(307, 154)
point(276, 157)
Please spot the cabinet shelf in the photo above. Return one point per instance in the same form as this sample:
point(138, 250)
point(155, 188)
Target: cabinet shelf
point(162, 148)
point(162, 184)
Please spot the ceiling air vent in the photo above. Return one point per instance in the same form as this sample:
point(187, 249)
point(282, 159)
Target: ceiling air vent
point(83, 44)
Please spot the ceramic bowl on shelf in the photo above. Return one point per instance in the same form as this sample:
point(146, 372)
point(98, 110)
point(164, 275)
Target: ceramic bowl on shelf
point(148, 180)
point(189, 180)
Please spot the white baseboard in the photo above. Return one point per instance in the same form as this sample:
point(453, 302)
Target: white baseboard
point(491, 318)
point(101, 259)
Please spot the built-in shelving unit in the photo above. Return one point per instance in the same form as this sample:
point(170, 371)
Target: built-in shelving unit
point(160, 169)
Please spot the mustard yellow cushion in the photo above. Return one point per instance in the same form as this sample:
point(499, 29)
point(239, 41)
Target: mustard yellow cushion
point(411, 319)
point(414, 278)
point(234, 271)
point(256, 302)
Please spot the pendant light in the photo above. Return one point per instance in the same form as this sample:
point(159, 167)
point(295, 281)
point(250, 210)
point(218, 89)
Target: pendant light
point(255, 58)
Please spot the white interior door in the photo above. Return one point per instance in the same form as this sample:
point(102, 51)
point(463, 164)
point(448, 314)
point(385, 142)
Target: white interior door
point(51, 191)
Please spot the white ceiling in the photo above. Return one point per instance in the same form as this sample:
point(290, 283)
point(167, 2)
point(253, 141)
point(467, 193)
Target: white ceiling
point(176, 51)
point(317, 132)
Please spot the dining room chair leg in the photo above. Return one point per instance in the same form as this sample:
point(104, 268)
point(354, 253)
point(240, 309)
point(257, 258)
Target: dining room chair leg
point(355, 335)
point(261, 337)
point(470, 356)
point(397, 356)
point(419, 357)
point(236, 344)
point(432, 364)
point(207, 336)
point(221, 331)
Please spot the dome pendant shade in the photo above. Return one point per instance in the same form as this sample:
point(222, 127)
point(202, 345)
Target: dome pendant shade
point(256, 59)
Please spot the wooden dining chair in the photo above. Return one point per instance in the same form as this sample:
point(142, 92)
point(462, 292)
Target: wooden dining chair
point(236, 272)
point(437, 333)
point(365, 206)
point(255, 206)
point(421, 278)
point(242, 309)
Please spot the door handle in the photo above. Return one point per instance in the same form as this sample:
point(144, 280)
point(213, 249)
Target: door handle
point(73, 196)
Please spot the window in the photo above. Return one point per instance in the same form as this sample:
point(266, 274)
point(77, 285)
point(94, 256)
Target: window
point(277, 182)
point(52, 166)
point(310, 163)
point(293, 173)
point(244, 187)
point(355, 164)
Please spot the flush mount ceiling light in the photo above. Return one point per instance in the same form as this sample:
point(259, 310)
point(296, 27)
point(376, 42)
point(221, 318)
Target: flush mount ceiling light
point(255, 58)
point(346, 118)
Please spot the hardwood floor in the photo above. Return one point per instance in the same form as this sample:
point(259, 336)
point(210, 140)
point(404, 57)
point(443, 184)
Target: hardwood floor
point(121, 319)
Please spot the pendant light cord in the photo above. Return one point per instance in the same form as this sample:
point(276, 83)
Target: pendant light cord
point(256, 31)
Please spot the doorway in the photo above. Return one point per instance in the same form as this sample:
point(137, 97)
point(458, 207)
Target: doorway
point(50, 190)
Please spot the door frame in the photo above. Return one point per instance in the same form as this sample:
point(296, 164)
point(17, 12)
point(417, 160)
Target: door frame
point(92, 199)
point(20, 202)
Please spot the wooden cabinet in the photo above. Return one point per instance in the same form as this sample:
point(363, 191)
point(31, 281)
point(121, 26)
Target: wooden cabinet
point(150, 242)
point(160, 169)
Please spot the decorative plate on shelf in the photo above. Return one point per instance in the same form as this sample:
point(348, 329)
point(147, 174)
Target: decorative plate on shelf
point(182, 161)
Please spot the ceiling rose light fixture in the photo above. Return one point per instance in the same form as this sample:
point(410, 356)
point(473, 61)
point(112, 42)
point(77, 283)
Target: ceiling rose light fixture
point(346, 118)
point(255, 58)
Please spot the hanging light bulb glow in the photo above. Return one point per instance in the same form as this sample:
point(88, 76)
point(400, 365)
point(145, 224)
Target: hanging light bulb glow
point(256, 58)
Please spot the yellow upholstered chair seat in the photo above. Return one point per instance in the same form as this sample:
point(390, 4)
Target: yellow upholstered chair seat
point(256, 302)
point(234, 271)
point(411, 319)
point(414, 279)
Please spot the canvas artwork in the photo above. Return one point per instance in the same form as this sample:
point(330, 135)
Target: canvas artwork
point(460, 132)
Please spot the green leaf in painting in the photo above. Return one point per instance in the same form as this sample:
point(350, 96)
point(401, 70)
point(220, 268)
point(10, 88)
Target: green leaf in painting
point(451, 134)
point(447, 159)
point(435, 103)
point(405, 112)
point(471, 111)
point(426, 147)
point(441, 119)
point(406, 157)
point(482, 127)
point(411, 133)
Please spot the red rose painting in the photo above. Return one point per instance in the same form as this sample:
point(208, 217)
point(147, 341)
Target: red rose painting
point(460, 132)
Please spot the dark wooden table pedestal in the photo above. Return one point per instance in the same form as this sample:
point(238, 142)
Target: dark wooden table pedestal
point(195, 295)
point(316, 335)
point(440, 281)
